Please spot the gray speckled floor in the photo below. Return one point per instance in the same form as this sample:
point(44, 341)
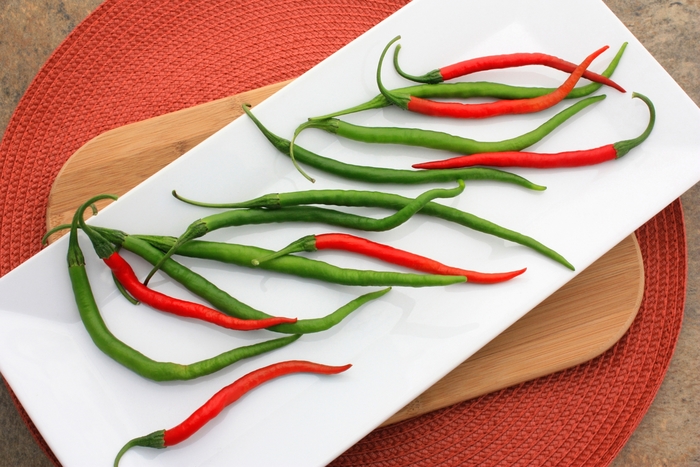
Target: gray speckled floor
point(669, 435)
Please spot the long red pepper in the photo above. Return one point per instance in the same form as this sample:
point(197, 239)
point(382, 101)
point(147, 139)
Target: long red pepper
point(389, 254)
point(126, 276)
point(527, 159)
point(547, 161)
point(495, 62)
point(488, 109)
point(225, 397)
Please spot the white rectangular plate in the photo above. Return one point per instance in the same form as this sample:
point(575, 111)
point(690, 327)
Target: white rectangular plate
point(86, 406)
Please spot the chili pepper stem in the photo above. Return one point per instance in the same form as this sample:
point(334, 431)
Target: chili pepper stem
point(152, 440)
point(103, 248)
point(73, 246)
point(299, 129)
point(307, 243)
point(195, 230)
point(376, 102)
point(58, 228)
point(400, 100)
point(291, 156)
point(432, 77)
point(623, 147)
point(124, 292)
point(270, 201)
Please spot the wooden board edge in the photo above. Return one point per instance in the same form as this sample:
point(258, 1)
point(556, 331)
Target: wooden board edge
point(426, 403)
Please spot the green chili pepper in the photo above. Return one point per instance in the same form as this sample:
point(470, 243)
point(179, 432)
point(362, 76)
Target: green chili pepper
point(220, 299)
point(378, 199)
point(208, 224)
point(385, 175)
point(128, 356)
point(440, 140)
point(244, 255)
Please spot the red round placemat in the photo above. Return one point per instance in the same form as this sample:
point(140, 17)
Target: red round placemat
point(132, 60)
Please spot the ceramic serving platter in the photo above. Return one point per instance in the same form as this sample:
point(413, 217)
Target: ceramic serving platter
point(86, 406)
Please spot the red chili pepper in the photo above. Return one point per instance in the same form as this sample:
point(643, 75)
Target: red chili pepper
point(489, 109)
point(346, 242)
point(547, 161)
point(126, 276)
point(225, 397)
point(527, 159)
point(495, 62)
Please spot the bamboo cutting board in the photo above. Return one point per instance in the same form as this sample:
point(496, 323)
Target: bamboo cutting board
point(575, 324)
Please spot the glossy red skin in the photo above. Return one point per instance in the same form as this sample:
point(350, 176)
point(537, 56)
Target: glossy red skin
point(527, 159)
point(238, 388)
point(393, 255)
point(126, 276)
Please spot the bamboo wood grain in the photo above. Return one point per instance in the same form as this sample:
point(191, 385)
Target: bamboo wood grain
point(118, 160)
point(577, 323)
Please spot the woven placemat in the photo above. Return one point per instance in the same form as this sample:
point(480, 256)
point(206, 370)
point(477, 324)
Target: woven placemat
point(131, 60)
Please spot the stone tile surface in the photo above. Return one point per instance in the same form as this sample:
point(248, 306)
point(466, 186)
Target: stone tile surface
point(669, 434)
point(30, 30)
